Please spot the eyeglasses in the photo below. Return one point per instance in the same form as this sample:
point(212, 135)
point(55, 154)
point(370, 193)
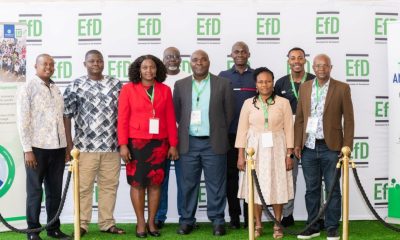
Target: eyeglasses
point(170, 57)
point(323, 66)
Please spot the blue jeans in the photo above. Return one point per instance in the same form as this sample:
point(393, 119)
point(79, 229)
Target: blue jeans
point(200, 158)
point(316, 163)
point(163, 207)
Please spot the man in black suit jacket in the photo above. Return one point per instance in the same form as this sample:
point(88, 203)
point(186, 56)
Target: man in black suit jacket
point(204, 110)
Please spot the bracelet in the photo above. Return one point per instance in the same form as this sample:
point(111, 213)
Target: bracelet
point(290, 155)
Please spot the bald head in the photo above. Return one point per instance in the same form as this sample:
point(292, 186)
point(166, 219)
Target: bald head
point(240, 55)
point(41, 56)
point(240, 44)
point(44, 66)
point(200, 64)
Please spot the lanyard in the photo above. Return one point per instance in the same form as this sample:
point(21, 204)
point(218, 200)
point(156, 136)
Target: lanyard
point(151, 96)
point(295, 92)
point(199, 92)
point(265, 110)
point(319, 92)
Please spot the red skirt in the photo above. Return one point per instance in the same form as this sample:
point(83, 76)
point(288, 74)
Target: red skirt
point(148, 160)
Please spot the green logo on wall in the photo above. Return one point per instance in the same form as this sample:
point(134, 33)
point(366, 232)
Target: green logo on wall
point(7, 171)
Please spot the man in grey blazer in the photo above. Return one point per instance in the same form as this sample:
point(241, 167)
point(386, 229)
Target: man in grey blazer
point(204, 109)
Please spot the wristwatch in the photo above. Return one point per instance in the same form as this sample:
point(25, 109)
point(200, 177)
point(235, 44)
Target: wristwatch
point(290, 155)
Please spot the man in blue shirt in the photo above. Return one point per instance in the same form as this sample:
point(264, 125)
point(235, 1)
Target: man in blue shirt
point(241, 80)
point(204, 110)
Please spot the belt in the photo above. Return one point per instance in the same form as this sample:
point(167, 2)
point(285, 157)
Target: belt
point(320, 141)
point(201, 137)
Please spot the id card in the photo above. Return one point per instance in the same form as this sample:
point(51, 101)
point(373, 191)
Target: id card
point(195, 117)
point(312, 125)
point(154, 124)
point(266, 140)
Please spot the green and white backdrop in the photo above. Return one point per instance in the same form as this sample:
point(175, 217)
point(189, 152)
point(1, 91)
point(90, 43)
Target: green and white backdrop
point(353, 33)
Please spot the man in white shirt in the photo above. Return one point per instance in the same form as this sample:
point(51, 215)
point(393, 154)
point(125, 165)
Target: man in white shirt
point(40, 108)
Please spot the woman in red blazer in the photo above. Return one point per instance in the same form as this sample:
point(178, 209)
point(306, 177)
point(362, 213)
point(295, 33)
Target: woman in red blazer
point(147, 135)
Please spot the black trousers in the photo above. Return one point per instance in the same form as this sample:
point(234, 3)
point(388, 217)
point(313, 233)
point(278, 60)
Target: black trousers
point(49, 170)
point(232, 182)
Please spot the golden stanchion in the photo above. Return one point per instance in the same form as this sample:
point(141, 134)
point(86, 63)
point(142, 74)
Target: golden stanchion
point(249, 167)
point(345, 185)
point(74, 167)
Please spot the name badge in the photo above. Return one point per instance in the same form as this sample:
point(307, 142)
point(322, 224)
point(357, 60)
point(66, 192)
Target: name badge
point(266, 140)
point(195, 117)
point(154, 124)
point(312, 125)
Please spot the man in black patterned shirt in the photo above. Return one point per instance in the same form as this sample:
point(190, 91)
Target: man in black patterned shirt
point(92, 101)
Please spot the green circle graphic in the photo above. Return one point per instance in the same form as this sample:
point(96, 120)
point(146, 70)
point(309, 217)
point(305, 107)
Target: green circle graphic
point(11, 171)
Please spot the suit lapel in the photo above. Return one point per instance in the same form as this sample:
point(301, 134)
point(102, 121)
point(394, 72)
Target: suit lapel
point(307, 95)
point(329, 95)
point(212, 93)
point(188, 93)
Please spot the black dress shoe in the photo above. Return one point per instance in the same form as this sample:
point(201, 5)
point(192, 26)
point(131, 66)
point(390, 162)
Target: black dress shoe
point(185, 229)
point(287, 221)
point(235, 223)
point(219, 230)
point(155, 233)
point(33, 236)
point(58, 234)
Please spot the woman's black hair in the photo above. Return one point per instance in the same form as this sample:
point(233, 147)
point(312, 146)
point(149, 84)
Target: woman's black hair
point(257, 71)
point(134, 69)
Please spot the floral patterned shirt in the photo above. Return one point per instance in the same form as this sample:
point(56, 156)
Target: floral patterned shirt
point(317, 110)
point(40, 116)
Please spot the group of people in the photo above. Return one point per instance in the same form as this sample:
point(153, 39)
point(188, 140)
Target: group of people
point(12, 60)
point(198, 123)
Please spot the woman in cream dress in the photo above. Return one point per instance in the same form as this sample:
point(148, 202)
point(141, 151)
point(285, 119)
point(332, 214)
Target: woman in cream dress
point(266, 124)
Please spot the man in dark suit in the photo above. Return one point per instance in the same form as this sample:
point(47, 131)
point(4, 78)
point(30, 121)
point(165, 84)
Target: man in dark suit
point(319, 137)
point(204, 110)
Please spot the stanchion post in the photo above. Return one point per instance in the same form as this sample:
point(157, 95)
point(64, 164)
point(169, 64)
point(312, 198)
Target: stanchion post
point(250, 166)
point(345, 186)
point(75, 169)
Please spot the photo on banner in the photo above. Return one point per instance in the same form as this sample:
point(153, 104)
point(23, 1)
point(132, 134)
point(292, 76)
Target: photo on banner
point(12, 168)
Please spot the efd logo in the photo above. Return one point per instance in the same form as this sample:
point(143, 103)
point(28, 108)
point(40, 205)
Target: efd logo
point(118, 66)
point(149, 28)
point(381, 110)
point(381, 193)
point(35, 27)
point(208, 28)
point(327, 26)
point(89, 28)
point(357, 69)
point(7, 171)
point(268, 27)
point(361, 151)
point(380, 25)
point(62, 69)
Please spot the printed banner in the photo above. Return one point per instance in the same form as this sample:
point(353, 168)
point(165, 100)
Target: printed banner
point(353, 33)
point(12, 168)
point(394, 117)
